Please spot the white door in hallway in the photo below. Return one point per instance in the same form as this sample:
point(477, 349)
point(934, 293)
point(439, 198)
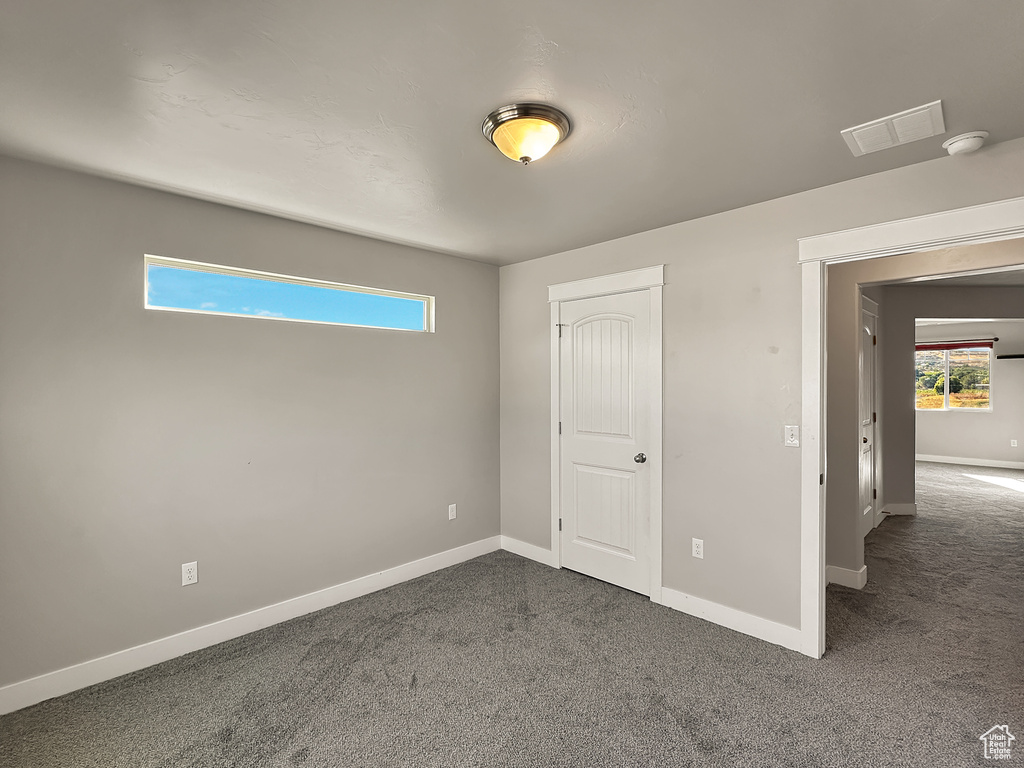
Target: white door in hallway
point(605, 414)
point(868, 340)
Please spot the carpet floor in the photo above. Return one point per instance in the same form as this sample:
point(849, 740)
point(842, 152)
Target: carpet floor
point(504, 662)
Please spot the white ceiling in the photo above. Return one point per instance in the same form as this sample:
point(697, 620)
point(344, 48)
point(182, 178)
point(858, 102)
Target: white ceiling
point(365, 116)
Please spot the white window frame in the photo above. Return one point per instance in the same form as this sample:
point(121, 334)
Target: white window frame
point(219, 269)
point(945, 389)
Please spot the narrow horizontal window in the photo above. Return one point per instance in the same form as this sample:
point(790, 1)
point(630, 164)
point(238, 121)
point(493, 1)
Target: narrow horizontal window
point(190, 286)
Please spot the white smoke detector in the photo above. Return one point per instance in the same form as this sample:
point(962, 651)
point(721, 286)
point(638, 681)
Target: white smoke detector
point(965, 142)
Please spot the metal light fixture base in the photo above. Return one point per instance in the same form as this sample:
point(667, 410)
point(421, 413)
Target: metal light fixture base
point(535, 110)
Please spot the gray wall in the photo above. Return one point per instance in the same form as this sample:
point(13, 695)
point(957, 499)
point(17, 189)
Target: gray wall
point(284, 457)
point(983, 435)
point(734, 293)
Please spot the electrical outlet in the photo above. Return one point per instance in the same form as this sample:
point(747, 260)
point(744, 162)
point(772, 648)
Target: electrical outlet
point(792, 439)
point(698, 548)
point(451, 511)
point(189, 574)
point(1013, 443)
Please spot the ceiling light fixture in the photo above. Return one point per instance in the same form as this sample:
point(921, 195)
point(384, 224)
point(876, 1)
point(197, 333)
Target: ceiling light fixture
point(526, 132)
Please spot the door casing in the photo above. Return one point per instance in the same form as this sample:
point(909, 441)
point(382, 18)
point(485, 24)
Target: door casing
point(650, 279)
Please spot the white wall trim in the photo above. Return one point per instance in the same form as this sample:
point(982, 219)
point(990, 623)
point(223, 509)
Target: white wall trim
point(529, 551)
point(904, 508)
point(971, 462)
point(1000, 220)
point(620, 282)
point(845, 577)
point(984, 223)
point(656, 387)
point(731, 618)
point(556, 435)
point(37, 689)
point(812, 463)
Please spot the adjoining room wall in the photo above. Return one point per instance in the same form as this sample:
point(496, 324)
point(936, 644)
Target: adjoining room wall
point(896, 340)
point(981, 435)
point(732, 340)
point(284, 457)
point(973, 435)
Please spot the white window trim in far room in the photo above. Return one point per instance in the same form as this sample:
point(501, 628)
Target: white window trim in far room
point(218, 269)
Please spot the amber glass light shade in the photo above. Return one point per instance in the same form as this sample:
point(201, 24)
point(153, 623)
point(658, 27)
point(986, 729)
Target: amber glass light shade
point(526, 132)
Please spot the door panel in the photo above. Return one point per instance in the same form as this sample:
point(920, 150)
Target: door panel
point(605, 513)
point(602, 368)
point(604, 402)
point(866, 388)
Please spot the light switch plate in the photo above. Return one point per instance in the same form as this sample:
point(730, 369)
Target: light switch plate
point(792, 437)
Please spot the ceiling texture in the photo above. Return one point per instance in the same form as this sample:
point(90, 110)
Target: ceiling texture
point(365, 116)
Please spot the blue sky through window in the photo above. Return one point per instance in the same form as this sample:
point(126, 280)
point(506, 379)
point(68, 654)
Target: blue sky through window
point(181, 288)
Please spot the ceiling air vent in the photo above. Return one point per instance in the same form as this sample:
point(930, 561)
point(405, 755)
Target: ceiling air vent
point(901, 128)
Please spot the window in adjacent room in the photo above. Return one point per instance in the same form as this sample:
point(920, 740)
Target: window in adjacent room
point(189, 286)
point(952, 376)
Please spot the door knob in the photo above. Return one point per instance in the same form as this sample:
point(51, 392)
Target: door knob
point(864, 439)
point(640, 458)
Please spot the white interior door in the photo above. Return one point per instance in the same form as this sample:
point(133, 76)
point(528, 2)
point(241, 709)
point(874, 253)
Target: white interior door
point(605, 414)
point(868, 339)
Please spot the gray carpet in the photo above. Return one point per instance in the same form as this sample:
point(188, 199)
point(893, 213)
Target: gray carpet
point(504, 662)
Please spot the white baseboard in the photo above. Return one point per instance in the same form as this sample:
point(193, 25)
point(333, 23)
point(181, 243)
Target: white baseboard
point(845, 577)
point(37, 689)
point(731, 618)
point(971, 462)
point(900, 509)
point(529, 551)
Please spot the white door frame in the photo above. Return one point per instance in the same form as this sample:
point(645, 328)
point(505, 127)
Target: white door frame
point(1002, 220)
point(650, 279)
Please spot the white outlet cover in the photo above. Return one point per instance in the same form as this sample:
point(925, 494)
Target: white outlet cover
point(698, 548)
point(792, 439)
point(451, 512)
point(189, 573)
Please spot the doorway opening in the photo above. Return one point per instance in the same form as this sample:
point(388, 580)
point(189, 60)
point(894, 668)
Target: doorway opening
point(929, 246)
